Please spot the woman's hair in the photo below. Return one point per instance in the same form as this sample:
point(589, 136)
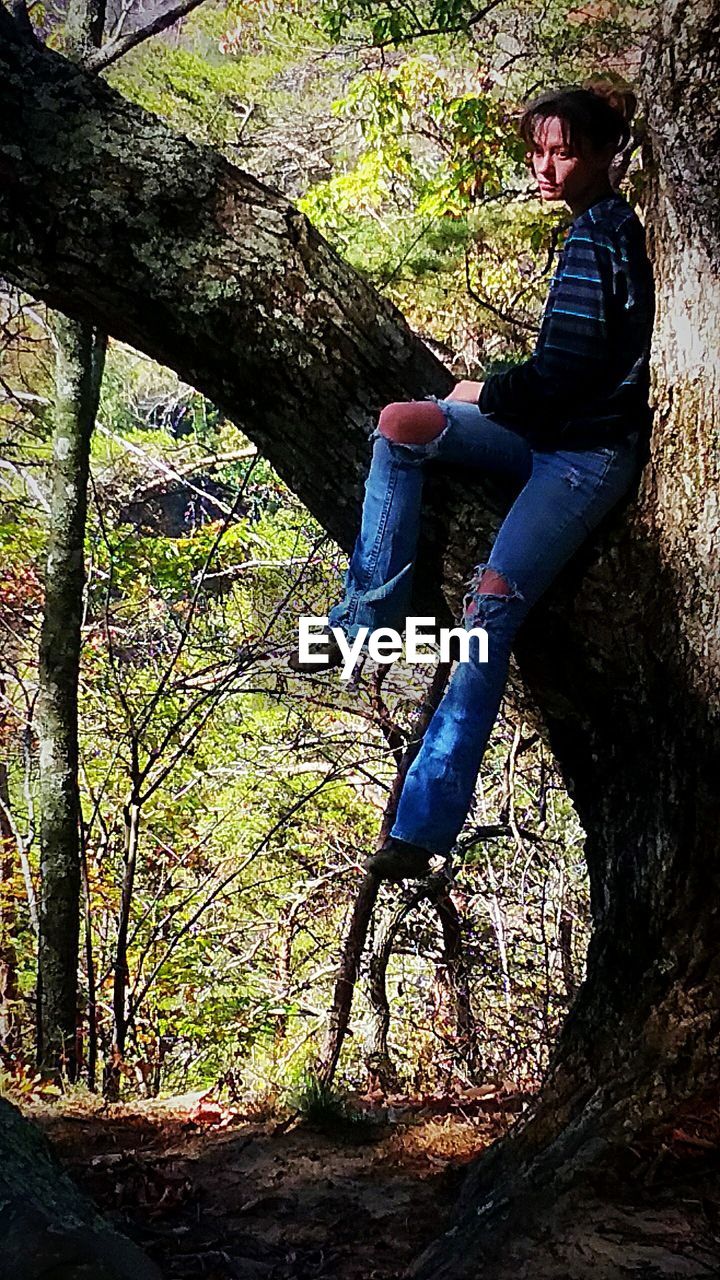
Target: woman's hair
point(598, 111)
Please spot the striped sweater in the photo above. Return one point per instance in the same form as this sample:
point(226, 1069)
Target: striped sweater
point(587, 382)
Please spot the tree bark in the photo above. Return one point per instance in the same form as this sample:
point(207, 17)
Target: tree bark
point(84, 27)
point(453, 989)
point(80, 360)
point(170, 248)
point(48, 1230)
point(79, 370)
point(382, 1072)
point(454, 1008)
point(346, 977)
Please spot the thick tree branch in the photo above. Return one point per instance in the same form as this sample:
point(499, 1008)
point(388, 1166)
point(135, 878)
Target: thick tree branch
point(167, 246)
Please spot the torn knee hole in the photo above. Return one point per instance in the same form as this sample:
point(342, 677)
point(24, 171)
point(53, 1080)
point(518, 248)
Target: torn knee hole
point(491, 593)
point(413, 422)
point(493, 583)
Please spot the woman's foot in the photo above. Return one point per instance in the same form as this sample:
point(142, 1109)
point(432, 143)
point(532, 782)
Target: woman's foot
point(399, 860)
point(328, 657)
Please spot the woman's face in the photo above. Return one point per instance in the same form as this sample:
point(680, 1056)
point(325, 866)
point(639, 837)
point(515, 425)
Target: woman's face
point(564, 172)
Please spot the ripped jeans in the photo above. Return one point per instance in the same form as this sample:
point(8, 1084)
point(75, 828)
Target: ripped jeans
point(562, 496)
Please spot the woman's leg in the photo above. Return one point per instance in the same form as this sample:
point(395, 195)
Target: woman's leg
point(379, 578)
point(565, 498)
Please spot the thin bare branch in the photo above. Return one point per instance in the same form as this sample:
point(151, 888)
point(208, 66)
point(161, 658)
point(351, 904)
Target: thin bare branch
point(98, 60)
point(166, 473)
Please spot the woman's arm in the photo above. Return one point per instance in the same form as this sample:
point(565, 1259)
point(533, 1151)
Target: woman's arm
point(467, 391)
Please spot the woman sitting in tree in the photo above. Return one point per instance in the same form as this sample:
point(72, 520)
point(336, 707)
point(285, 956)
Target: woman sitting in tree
point(568, 425)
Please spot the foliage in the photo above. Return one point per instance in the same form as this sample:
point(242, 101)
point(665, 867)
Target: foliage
point(329, 1110)
point(254, 816)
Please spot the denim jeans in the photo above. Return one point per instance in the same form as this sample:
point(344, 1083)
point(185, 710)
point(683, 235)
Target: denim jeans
point(562, 496)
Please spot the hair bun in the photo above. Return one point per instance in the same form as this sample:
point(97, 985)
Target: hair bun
point(616, 92)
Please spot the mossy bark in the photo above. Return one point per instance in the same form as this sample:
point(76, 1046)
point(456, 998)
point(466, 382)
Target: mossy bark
point(79, 361)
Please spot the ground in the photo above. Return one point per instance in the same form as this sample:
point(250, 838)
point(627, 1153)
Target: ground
point(229, 1193)
point(211, 1192)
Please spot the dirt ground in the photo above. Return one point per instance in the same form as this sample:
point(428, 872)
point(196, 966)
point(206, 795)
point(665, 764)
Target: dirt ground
point(211, 1192)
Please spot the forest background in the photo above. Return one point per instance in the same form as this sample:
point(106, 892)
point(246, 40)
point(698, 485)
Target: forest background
point(227, 804)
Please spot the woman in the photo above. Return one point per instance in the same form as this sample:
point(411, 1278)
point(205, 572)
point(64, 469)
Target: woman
point(569, 425)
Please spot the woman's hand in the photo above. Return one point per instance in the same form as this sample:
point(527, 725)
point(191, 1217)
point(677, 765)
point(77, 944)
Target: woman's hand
point(467, 391)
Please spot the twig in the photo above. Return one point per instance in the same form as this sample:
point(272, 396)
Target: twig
point(169, 473)
point(118, 46)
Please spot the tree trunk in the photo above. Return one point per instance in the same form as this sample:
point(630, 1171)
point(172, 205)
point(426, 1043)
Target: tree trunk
point(453, 1023)
point(103, 210)
point(382, 1072)
point(79, 369)
point(625, 664)
point(80, 359)
point(91, 1055)
point(121, 977)
point(364, 904)
point(452, 987)
point(48, 1230)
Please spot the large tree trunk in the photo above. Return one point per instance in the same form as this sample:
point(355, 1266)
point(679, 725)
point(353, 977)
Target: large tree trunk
point(626, 667)
point(167, 246)
point(79, 363)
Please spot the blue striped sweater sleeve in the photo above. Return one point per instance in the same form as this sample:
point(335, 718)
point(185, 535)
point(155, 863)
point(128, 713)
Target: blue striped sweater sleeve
point(571, 361)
